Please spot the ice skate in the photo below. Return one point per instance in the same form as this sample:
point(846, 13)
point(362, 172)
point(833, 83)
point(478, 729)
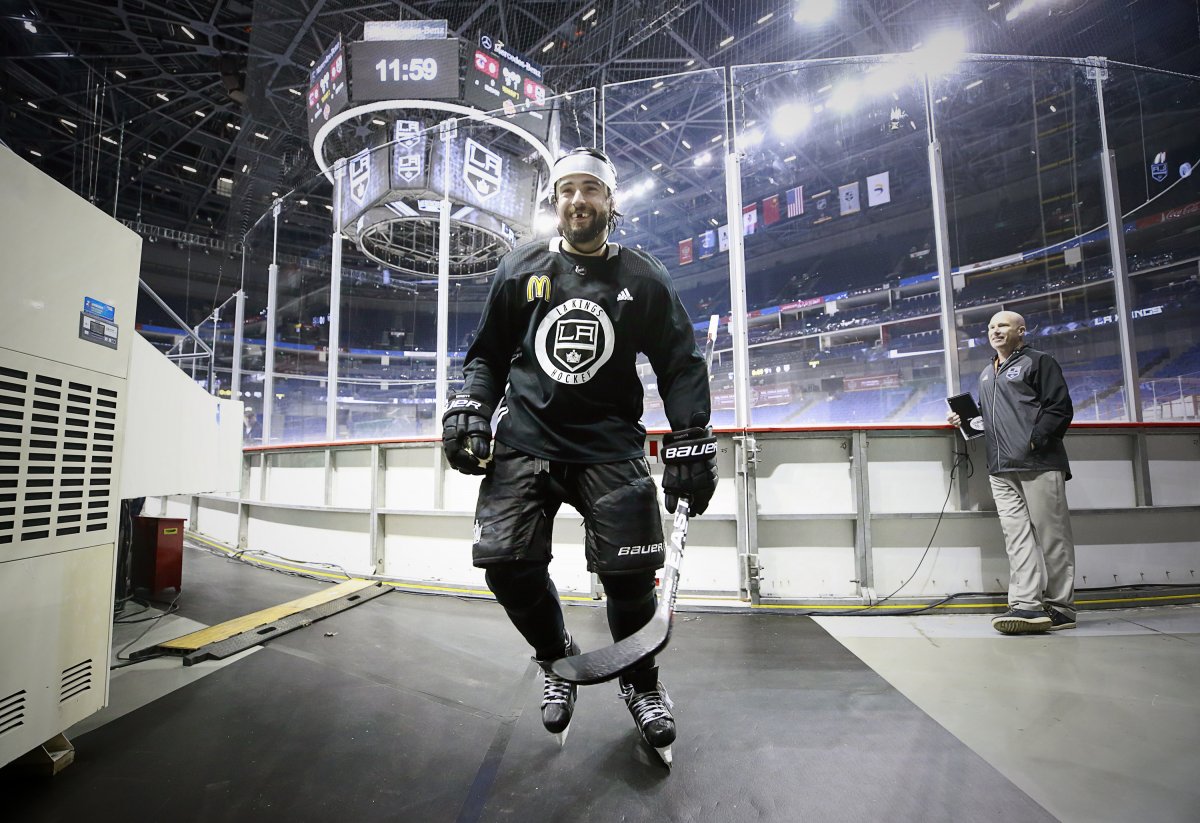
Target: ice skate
point(558, 697)
point(651, 712)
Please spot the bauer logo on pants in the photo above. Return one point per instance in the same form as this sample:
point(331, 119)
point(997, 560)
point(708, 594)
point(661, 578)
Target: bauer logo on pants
point(573, 341)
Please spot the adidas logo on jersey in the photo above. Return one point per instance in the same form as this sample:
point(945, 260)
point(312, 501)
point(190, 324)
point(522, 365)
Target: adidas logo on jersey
point(624, 295)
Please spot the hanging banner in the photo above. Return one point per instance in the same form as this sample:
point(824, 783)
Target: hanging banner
point(848, 197)
point(795, 201)
point(878, 189)
point(749, 219)
point(771, 210)
point(686, 253)
point(723, 238)
point(708, 244)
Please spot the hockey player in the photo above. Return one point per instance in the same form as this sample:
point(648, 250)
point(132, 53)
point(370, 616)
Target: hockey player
point(556, 355)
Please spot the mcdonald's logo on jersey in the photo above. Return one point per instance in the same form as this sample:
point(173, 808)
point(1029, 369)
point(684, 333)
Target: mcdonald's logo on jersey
point(537, 287)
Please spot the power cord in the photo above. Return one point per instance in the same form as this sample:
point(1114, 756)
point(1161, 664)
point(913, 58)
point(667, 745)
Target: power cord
point(125, 661)
point(962, 458)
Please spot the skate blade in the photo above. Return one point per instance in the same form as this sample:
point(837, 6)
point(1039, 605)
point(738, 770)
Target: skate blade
point(561, 737)
point(664, 754)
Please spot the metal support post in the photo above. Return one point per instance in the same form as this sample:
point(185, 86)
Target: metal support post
point(941, 238)
point(441, 385)
point(239, 322)
point(864, 571)
point(745, 446)
point(268, 410)
point(335, 306)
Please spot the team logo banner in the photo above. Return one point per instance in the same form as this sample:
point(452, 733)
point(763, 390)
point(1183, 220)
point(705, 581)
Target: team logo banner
point(483, 169)
point(408, 153)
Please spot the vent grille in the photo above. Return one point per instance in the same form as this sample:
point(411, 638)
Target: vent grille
point(57, 439)
point(12, 712)
point(76, 680)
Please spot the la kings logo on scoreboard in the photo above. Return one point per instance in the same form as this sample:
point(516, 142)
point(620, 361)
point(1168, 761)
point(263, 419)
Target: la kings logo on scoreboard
point(482, 169)
point(359, 170)
point(409, 156)
point(573, 341)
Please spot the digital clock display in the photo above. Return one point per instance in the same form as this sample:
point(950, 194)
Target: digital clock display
point(397, 69)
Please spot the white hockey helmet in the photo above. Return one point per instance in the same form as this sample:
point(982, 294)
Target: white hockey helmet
point(584, 160)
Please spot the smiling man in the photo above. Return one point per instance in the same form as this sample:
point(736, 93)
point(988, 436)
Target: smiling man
point(556, 357)
point(1026, 411)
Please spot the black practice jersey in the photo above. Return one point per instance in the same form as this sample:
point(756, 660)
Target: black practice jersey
point(560, 336)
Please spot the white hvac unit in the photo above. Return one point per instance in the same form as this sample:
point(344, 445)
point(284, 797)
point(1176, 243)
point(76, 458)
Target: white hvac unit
point(68, 276)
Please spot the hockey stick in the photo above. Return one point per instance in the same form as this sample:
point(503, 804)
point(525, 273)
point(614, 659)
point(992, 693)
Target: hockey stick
point(612, 661)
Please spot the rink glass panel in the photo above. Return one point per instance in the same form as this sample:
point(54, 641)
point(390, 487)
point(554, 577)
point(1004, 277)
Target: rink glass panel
point(1152, 126)
point(836, 182)
point(1027, 225)
point(256, 259)
point(666, 135)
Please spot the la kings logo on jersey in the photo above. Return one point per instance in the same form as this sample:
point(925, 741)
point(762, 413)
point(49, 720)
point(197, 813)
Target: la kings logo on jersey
point(574, 340)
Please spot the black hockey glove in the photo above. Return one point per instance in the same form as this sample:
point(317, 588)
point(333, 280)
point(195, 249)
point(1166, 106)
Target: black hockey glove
point(691, 472)
point(467, 434)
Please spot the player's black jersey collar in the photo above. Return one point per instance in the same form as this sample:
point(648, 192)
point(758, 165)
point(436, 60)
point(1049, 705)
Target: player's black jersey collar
point(556, 244)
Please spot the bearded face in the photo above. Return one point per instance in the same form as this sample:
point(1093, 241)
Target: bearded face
point(583, 207)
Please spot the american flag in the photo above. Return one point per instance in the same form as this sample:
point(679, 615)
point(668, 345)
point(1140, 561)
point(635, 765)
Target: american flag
point(795, 201)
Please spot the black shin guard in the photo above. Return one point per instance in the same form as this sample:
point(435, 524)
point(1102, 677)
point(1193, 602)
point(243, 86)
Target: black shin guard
point(631, 604)
point(528, 595)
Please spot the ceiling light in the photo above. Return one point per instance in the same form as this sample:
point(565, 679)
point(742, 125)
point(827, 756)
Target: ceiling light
point(656, 167)
point(790, 119)
point(635, 219)
point(811, 12)
point(665, 126)
point(689, 63)
point(188, 168)
point(163, 97)
point(108, 139)
point(713, 220)
point(589, 13)
point(188, 32)
point(29, 27)
point(245, 167)
point(378, 122)
point(973, 84)
point(120, 74)
point(303, 202)
point(643, 107)
point(671, 190)
point(261, 136)
point(789, 158)
point(765, 17)
point(151, 156)
point(726, 42)
point(295, 92)
point(686, 144)
point(715, 138)
point(31, 104)
point(992, 6)
point(200, 113)
point(702, 159)
point(226, 180)
point(35, 152)
point(547, 47)
point(67, 123)
point(657, 85)
point(941, 52)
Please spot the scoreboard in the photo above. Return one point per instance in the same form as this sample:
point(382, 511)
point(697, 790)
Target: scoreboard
point(327, 94)
point(509, 85)
point(400, 69)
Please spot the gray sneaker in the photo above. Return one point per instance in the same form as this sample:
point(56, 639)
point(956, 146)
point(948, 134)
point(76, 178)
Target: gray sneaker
point(1022, 621)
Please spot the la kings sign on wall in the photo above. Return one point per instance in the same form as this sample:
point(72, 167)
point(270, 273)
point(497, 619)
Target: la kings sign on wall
point(573, 341)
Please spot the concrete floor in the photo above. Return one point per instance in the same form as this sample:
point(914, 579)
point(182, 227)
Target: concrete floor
point(782, 718)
